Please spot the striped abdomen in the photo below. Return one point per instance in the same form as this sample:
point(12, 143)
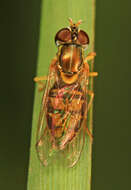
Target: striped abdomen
point(65, 111)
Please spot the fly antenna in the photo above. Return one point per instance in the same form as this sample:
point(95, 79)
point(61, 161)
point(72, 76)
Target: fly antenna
point(78, 23)
point(70, 21)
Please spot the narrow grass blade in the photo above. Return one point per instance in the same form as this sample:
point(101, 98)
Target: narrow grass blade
point(54, 17)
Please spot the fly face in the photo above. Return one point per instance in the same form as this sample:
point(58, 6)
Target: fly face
point(72, 35)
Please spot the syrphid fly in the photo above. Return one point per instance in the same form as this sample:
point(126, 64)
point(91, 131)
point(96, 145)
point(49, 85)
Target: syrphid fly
point(63, 117)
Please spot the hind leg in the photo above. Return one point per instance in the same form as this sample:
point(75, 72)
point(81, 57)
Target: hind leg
point(91, 94)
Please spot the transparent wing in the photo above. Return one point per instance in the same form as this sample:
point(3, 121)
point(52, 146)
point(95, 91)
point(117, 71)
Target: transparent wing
point(74, 149)
point(72, 142)
point(44, 139)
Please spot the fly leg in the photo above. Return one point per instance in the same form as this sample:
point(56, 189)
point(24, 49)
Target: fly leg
point(40, 83)
point(90, 135)
point(90, 56)
point(91, 94)
point(93, 74)
point(40, 80)
point(87, 130)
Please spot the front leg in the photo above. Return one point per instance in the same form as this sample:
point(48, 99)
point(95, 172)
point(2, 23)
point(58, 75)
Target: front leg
point(90, 56)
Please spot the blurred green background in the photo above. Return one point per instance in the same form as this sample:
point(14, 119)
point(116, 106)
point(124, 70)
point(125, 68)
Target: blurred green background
point(112, 121)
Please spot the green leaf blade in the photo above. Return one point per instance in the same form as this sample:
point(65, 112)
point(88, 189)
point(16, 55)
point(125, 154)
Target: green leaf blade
point(54, 17)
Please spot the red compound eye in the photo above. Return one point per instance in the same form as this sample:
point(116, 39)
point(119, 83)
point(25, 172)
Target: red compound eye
point(83, 38)
point(63, 35)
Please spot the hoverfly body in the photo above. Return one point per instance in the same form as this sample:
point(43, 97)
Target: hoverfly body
point(63, 115)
